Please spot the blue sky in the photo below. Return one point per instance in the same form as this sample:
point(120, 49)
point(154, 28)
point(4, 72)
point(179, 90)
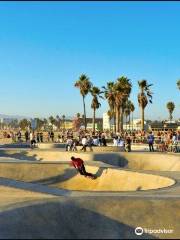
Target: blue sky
point(45, 46)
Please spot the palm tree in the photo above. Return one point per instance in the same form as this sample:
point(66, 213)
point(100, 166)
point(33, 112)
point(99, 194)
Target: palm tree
point(109, 93)
point(78, 115)
point(170, 106)
point(178, 84)
point(63, 118)
point(84, 86)
point(110, 113)
point(144, 97)
point(123, 88)
point(52, 120)
point(127, 111)
point(58, 121)
point(95, 92)
point(132, 108)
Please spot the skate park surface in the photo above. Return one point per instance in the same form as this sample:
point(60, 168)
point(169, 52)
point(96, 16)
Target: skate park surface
point(42, 196)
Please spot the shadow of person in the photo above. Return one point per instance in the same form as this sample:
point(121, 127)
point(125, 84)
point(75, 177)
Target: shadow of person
point(68, 174)
point(100, 172)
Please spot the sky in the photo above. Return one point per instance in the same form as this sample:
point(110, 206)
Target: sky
point(46, 46)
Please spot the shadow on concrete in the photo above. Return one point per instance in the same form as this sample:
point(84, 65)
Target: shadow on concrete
point(100, 172)
point(59, 219)
point(68, 174)
point(22, 155)
point(15, 145)
point(114, 159)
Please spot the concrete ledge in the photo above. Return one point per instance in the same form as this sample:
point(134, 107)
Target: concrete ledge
point(101, 149)
point(133, 160)
point(94, 148)
point(50, 145)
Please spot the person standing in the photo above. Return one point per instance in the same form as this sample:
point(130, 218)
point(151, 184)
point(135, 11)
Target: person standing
point(32, 139)
point(69, 144)
point(128, 144)
point(19, 136)
point(103, 141)
point(41, 136)
point(90, 143)
point(38, 137)
point(84, 143)
point(26, 135)
point(150, 140)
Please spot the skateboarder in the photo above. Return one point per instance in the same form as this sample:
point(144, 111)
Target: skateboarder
point(79, 165)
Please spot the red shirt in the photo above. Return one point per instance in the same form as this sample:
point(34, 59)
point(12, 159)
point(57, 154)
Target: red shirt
point(77, 163)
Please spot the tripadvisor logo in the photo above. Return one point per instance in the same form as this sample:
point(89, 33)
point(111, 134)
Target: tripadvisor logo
point(139, 231)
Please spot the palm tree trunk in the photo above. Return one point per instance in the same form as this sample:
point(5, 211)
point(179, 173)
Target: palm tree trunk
point(94, 116)
point(126, 122)
point(117, 119)
point(84, 113)
point(121, 119)
point(132, 121)
point(129, 120)
point(142, 118)
point(114, 116)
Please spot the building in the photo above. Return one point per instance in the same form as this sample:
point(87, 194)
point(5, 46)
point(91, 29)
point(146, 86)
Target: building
point(135, 125)
point(89, 122)
point(6, 120)
point(107, 122)
point(90, 126)
point(68, 124)
point(160, 126)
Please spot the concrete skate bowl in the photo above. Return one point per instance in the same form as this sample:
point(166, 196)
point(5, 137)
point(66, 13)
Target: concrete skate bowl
point(140, 161)
point(65, 177)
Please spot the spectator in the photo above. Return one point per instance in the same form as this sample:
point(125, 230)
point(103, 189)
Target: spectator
point(103, 140)
point(115, 141)
point(84, 143)
point(96, 141)
point(41, 136)
point(128, 144)
point(26, 135)
point(32, 140)
point(69, 144)
point(150, 140)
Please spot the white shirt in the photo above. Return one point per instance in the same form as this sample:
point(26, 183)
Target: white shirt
point(115, 142)
point(31, 136)
point(96, 141)
point(121, 143)
point(69, 141)
point(84, 141)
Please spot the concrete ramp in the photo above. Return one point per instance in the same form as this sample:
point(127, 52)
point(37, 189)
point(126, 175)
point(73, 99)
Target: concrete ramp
point(66, 177)
point(88, 218)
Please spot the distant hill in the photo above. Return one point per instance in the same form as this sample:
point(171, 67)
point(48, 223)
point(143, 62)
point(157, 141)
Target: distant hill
point(21, 117)
point(13, 116)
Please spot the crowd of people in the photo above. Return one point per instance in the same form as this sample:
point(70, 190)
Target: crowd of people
point(85, 141)
point(159, 140)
